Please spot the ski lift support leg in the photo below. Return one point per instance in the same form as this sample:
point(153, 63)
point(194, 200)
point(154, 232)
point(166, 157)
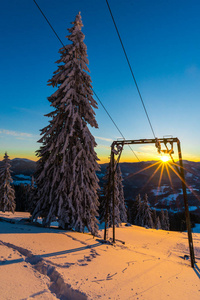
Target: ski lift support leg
point(114, 170)
point(187, 215)
point(107, 205)
point(111, 178)
point(113, 190)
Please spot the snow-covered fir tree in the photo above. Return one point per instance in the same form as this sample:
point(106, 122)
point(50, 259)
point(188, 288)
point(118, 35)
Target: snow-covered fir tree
point(167, 220)
point(120, 208)
point(146, 213)
point(164, 220)
point(158, 225)
point(7, 193)
point(105, 196)
point(132, 210)
point(164, 223)
point(66, 172)
point(154, 218)
point(139, 210)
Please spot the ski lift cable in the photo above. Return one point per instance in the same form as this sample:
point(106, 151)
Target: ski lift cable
point(92, 89)
point(115, 124)
point(147, 115)
point(49, 23)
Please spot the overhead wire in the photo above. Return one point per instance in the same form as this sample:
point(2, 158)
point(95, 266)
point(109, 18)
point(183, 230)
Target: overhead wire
point(92, 89)
point(115, 124)
point(137, 87)
point(49, 23)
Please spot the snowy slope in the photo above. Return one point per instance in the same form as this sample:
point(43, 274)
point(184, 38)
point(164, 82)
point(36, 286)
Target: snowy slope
point(43, 263)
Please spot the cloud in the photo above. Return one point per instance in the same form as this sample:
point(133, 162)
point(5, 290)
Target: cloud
point(103, 139)
point(102, 147)
point(148, 148)
point(17, 134)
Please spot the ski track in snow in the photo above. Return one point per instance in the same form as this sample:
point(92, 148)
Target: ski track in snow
point(58, 286)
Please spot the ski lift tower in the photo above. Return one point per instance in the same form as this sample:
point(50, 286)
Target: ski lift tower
point(116, 150)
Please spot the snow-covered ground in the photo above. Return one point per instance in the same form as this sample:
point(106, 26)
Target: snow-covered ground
point(189, 191)
point(169, 199)
point(193, 208)
point(22, 176)
point(22, 179)
point(196, 229)
point(162, 190)
point(24, 182)
point(41, 263)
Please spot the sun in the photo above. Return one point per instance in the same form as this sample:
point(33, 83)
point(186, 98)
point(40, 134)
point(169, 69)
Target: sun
point(165, 158)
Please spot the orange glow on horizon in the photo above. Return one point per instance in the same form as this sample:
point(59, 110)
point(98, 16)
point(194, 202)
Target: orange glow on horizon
point(103, 158)
point(22, 156)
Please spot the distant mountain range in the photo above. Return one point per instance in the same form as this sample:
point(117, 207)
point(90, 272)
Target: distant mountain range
point(163, 191)
point(22, 170)
point(22, 166)
point(138, 178)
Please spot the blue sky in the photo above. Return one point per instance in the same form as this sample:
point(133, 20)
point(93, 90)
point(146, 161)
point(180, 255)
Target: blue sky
point(162, 41)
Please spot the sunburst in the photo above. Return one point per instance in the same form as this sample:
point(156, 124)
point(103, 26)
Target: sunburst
point(164, 158)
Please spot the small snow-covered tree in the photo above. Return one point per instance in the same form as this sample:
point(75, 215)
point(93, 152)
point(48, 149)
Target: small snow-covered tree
point(104, 195)
point(66, 172)
point(120, 208)
point(131, 212)
point(164, 219)
point(146, 213)
point(138, 206)
point(105, 205)
point(167, 220)
point(158, 225)
point(154, 218)
point(7, 193)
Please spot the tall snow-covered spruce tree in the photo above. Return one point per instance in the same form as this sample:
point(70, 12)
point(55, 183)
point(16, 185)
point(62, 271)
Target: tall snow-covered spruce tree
point(66, 174)
point(7, 193)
